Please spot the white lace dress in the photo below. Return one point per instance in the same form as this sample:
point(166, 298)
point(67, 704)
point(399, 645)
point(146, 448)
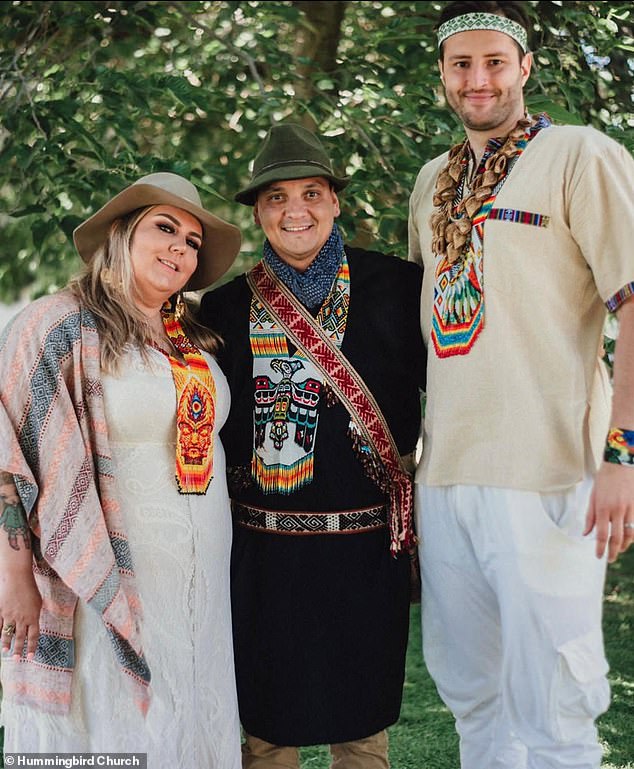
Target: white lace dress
point(181, 547)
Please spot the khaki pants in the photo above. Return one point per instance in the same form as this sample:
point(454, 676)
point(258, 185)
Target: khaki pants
point(369, 753)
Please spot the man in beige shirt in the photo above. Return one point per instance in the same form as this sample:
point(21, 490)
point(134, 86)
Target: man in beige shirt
point(526, 483)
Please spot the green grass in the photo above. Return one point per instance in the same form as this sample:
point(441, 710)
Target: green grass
point(425, 738)
point(616, 727)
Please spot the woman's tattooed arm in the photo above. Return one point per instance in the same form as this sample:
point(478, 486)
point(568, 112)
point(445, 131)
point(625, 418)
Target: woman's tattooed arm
point(20, 599)
point(12, 514)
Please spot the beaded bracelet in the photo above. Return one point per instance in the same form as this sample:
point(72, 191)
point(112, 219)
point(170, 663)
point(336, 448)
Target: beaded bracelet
point(619, 447)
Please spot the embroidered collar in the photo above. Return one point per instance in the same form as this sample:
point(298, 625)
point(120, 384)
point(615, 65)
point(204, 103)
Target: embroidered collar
point(313, 285)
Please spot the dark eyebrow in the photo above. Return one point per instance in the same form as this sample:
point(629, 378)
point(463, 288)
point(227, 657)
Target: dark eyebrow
point(179, 224)
point(462, 56)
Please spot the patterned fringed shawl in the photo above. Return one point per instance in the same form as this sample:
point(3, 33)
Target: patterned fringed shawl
point(55, 443)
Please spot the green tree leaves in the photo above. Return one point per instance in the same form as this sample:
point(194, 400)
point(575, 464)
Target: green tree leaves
point(95, 94)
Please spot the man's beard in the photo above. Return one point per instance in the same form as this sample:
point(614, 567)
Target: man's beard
point(498, 115)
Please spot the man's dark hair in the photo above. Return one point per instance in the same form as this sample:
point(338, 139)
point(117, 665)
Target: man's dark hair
point(511, 9)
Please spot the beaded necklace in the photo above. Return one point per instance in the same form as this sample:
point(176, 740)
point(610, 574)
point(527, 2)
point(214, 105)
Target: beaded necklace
point(457, 202)
point(458, 236)
point(195, 411)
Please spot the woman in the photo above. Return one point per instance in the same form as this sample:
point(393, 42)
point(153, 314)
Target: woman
point(113, 500)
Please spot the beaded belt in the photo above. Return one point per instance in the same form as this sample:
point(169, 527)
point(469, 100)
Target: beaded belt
point(310, 522)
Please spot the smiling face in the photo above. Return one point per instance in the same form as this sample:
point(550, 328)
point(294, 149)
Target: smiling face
point(164, 254)
point(483, 78)
point(297, 217)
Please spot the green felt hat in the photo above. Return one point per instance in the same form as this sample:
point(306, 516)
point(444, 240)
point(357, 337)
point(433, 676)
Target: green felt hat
point(289, 151)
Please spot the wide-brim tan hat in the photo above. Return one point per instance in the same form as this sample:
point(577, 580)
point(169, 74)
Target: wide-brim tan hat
point(221, 240)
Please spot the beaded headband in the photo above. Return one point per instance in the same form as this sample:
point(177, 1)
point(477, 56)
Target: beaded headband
point(472, 21)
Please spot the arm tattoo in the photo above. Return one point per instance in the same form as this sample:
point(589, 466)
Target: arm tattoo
point(12, 514)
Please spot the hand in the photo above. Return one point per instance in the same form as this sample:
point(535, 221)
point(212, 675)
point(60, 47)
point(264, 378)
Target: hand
point(20, 605)
point(611, 506)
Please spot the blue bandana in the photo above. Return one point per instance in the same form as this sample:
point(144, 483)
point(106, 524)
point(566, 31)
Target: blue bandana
point(312, 286)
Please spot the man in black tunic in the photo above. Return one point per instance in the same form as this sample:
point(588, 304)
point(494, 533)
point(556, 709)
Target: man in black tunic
point(317, 440)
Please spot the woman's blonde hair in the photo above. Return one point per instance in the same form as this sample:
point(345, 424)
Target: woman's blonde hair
point(107, 288)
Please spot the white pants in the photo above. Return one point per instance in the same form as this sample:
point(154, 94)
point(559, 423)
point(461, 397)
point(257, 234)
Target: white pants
point(512, 598)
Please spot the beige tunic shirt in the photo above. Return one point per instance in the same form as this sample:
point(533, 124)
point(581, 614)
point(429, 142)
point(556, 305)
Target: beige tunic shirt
point(528, 406)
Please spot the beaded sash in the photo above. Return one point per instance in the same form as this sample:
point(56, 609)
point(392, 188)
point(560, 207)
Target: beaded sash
point(458, 310)
point(288, 391)
point(195, 412)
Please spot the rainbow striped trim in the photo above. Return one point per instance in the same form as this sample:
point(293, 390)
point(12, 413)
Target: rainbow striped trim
point(483, 214)
point(280, 478)
point(456, 339)
point(617, 300)
point(271, 345)
point(519, 217)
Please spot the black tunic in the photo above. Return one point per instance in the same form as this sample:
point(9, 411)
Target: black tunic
point(321, 621)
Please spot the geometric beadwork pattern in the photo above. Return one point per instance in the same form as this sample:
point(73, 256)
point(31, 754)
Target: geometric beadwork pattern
point(287, 392)
point(195, 411)
point(458, 312)
point(302, 523)
point(491, 21)
point(333, 315)
point(458, 308)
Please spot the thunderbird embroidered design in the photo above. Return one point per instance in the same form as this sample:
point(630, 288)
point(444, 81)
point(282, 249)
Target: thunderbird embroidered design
point(286, 401)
